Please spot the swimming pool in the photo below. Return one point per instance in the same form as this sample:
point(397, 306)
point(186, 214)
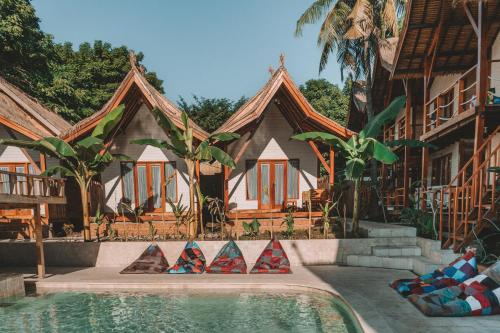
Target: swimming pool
point(210, 312)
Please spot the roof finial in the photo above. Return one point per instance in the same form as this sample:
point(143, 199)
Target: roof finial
point(282, 60)
point(134, 63)
point(271, 70)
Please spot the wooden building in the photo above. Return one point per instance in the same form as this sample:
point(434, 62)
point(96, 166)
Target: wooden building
point(24, 118)
point(447, 62)
point(273, 171)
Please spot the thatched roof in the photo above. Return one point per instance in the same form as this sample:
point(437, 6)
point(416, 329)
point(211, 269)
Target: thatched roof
point(133, 91)
point(457, 47)
point(26, 115)
point(292, 104)
point(356, 115)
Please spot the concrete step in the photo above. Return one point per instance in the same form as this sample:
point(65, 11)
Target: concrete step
point(396, 251)
point(384, 230)
point(418, 264)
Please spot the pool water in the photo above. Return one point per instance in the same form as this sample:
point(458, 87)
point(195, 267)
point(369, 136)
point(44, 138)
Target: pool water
point(221, 312)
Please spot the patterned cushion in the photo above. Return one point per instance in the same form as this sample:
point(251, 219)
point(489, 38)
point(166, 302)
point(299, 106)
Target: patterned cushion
point(478, 296)
point(151, 261)
point(493, 272)
point(229, 260)
point(272, 260)
point(456, 272)
point(191, 261)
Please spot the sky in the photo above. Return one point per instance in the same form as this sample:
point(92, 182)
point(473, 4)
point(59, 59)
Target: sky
point(214, 49)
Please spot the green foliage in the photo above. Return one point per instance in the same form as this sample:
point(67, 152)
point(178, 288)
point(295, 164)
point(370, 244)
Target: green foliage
point(180, 212)
point(325, 215)
point(327, 98)
point(421, 220)
point(289, 221)
point(210, 113)
point(99, 219)
point(74, 83)
point(216, 208)
point(252, 229)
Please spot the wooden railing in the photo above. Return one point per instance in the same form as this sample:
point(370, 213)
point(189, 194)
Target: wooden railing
point(21, 188)
point(457, 98)
point(395, 198)
point(470, 196)
point(390, 133)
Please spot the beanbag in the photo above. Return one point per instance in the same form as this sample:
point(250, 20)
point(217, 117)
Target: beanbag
point(273, 260)
point(478, 296)
point(191, 261)
point(151, 261)
point(456, 272)
point(229, 260)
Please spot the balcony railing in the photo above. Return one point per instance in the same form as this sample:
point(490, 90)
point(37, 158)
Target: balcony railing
point(457, 98)
point(21, 188)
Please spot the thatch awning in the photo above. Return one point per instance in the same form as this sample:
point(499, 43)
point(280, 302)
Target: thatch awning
point(457, 46)
point(26, 115)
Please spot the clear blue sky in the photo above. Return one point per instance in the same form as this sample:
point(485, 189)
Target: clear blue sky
point(218, 48)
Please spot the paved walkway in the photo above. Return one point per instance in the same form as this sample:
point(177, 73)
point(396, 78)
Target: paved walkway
point(378, 307)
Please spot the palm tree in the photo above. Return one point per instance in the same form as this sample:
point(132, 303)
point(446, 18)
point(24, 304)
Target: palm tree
point(362, 148)
point(82, 160)
point(183, 145)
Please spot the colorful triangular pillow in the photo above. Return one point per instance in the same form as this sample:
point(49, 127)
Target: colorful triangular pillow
point(273, 260)
point(229, 260)
point(191, 261)
point(151, 261)
point(455, 273)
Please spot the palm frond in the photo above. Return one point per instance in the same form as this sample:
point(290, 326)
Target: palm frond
point(312, 14)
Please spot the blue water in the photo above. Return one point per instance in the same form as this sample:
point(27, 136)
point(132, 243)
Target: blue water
point(226, 312)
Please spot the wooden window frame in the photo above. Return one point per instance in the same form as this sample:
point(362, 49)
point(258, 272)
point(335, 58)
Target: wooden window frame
point(163, 187)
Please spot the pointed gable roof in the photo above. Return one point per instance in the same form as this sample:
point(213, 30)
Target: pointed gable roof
point(133, 90)
point(26, 115)
point(299, 110)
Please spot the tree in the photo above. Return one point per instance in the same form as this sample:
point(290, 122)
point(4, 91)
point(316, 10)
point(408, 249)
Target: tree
point(82, 160)
point(84, 80)
point(182, 143)
point(210, 113)
point(24, 48)
point(362, 148)
point(327, 99)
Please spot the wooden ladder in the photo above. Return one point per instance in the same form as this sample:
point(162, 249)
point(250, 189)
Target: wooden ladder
point(468, 203)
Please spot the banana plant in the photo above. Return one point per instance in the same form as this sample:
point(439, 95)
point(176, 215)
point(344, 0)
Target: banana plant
point(182, 143)
point(82, 160)
point(363, 147)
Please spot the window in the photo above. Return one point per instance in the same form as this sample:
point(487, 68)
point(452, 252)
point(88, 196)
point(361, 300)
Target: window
point(21, 185)
point(441, 170)
point(149, 183)
point(293, 179)
point(251, 180)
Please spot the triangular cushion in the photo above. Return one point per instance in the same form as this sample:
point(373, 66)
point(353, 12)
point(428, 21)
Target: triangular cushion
point(229, 260)
point(273, 260)
point(151, 261)
point(191, 261)
point(455, 273)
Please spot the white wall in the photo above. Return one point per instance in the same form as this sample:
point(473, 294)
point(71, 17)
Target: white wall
point(271, 141)
point(442, 82)
point(495, 66)
point(143, 125)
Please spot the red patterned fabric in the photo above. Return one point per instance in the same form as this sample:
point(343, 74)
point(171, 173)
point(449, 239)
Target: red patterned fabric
point(229, 260)
point(273, 260)
point(151, 261)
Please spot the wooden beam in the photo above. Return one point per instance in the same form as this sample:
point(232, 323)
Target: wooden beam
point(425, 150)
point(407, 152)
point(332, 167)
point(471, 18)
point(40, 257)
point(319, 156)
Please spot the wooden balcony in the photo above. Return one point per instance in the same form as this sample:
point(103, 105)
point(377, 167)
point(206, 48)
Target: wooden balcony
point(19, 190)
point(454, 106)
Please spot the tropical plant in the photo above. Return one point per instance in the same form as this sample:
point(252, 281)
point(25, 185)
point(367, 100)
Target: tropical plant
point(252, 229)
point(68, 229)
point(216, 208)
point(289, 221)
point(182, 143)
point(362, 148)
point(82, 160)
point(179, 210)
point(99, 219)
point(326, 208)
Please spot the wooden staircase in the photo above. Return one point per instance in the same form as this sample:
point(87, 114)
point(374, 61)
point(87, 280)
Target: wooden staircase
point(470, 201)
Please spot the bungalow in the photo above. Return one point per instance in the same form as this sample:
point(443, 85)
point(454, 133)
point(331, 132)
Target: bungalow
point(152, 175)
point(24, 118)
point(272, 171)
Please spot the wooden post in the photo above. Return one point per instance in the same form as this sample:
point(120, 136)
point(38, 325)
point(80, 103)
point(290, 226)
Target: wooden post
point(481, 76)
point(40, 258)
point(332, 168)
point(406, 166)
point(425, 150)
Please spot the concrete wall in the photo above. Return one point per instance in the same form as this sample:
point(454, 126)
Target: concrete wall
point(271, 141)
point(143, 125)
point(11, 285)
point(121, 254)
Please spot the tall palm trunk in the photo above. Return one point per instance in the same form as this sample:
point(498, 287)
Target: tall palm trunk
point(85, 212)
point(192, 223)
point(355, 211)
